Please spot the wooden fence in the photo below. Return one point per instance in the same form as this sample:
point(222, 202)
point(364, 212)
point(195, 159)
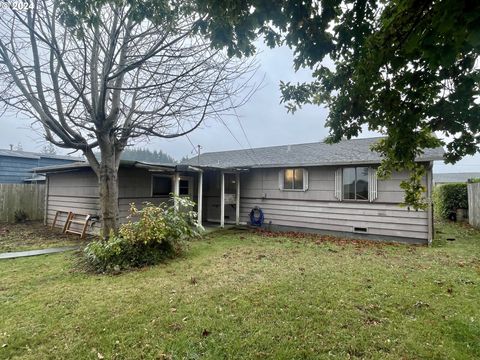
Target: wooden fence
point(474, 204)
point(27, 197)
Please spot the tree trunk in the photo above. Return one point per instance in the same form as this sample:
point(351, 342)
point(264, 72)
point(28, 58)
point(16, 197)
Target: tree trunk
point(108, 190)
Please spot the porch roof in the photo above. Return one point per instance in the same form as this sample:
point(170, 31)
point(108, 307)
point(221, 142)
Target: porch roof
point(123, 164)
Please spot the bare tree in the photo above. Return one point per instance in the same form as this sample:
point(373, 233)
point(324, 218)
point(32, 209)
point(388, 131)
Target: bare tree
point(100, 76)
point(49, 149)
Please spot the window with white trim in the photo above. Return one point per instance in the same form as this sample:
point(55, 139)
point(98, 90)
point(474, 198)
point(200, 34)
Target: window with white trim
point(355, 182)
point(293, 179)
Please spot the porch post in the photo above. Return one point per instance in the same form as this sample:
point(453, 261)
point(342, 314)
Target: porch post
point(237, 199)
point(429, 177)
point(200, 197)
point(176, 187)
point(222, 199)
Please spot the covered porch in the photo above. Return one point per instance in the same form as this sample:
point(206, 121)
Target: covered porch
point(216, 193)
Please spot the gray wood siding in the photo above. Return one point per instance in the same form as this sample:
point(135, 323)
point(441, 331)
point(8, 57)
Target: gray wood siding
point(260, 183)
point(77, 191)
point(317, 207)
point(379, 219)
point(134, 183)
point(79, 184)
point(77, 205)
point(137, 183)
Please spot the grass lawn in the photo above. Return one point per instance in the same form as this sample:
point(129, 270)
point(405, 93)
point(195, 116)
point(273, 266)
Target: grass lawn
point(236, 294)
point(34, 235)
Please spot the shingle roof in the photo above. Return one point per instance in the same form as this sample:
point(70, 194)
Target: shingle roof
point(33, 155)
point(355, 151)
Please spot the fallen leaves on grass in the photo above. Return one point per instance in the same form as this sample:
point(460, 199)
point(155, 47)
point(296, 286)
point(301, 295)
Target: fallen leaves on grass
point(421, 304)
point(300, 237)
point(372, 321)
point(35, 235)
point(176, 326)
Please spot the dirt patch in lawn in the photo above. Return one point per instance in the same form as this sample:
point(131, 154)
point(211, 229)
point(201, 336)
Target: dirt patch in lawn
point(34, 235)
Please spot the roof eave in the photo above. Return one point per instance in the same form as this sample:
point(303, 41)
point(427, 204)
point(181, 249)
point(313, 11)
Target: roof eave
point(318, 164)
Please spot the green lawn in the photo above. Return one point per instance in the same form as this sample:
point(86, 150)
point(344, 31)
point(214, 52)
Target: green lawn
point(240, 295)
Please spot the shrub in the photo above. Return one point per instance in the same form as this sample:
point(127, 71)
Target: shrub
point(153, 234)
point(20, 216)
point(448, 198)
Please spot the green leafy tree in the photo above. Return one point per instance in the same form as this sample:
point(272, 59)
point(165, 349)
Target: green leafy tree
point(405, 68)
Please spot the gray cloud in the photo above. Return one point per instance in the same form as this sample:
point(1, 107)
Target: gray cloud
point(263, 118)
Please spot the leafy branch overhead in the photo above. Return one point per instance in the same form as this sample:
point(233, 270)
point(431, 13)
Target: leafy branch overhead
point(405, 68)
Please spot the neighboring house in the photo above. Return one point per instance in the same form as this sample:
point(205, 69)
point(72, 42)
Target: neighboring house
point(16, 166)
point(307, 187)
point(447, 178)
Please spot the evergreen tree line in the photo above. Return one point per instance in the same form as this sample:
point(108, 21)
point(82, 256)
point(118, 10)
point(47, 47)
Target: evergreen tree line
point(145, 155)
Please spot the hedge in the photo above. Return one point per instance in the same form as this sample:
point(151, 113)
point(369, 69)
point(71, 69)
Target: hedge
point(448, 198)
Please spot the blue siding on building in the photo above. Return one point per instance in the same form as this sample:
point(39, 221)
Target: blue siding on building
point(15, 169)
point(49, 161)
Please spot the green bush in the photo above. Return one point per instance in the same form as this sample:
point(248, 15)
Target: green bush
point(153, 234)
point(448, 198)
point(20, 216)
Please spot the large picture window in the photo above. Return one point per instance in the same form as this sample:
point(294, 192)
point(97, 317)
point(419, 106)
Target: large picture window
point(161, 185)
point(355, 183)
point(293, 179)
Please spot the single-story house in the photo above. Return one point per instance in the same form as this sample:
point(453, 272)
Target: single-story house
point(328, 188)
point(16, 166)
point(448, 178)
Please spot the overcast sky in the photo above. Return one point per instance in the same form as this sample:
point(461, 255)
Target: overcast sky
point(264, 119)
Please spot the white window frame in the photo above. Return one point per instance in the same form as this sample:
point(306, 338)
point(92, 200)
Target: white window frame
point(368, 185)
point(190, 185)
point(281, 180)
point(372, 184)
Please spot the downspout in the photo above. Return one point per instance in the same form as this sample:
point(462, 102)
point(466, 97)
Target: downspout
point(222, 199)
